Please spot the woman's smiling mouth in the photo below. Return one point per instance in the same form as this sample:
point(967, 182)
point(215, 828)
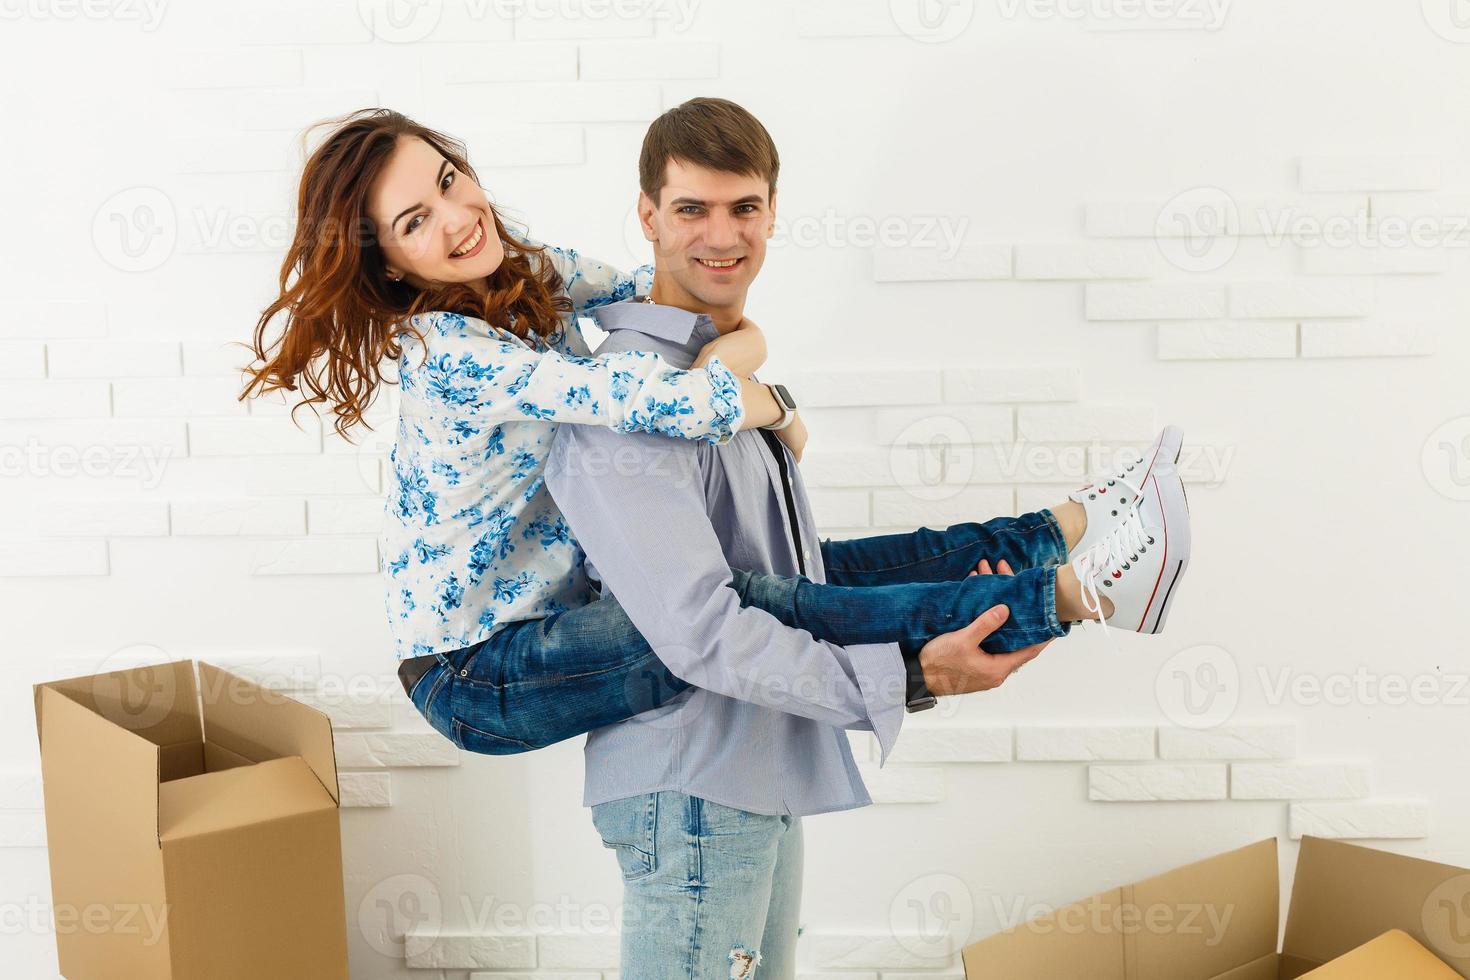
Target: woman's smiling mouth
point(472, 244)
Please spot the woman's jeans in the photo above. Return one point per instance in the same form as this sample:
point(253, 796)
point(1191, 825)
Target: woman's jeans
point(538, 681)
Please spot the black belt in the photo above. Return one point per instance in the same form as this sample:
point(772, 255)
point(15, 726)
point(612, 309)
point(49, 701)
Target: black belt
point(412, 670)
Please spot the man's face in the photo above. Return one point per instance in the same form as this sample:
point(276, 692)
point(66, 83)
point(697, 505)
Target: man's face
point(709, 230)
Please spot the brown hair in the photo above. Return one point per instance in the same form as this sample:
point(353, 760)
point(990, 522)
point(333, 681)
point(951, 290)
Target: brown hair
point(342, 312)
point(715, 134)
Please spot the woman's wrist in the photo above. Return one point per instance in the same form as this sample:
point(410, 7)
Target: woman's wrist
point(761, 407)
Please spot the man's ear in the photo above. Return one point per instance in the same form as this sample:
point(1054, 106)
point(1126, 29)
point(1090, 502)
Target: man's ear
point(646, 210)
point(771, 227)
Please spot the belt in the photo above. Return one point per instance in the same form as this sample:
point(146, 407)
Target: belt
point(410, 671)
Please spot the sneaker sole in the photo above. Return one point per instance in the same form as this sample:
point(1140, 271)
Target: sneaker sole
point(1174, 564)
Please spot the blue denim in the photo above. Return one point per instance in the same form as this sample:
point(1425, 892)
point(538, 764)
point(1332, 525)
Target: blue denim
point(539, 681)
point(709, 891)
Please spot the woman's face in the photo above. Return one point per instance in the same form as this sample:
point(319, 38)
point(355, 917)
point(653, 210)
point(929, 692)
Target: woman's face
point(433, 222)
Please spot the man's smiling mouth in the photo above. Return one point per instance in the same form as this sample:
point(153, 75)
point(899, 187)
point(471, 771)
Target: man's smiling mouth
point(720, 263)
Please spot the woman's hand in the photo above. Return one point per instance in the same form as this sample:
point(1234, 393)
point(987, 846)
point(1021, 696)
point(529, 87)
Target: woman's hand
point(794, 436)
point(742, 350)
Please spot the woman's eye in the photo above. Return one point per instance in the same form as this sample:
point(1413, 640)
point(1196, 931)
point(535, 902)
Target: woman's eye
point(448, 179)
point(413, 223)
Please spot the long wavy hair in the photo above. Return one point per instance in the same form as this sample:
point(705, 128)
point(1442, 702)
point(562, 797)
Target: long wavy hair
point(342, 314)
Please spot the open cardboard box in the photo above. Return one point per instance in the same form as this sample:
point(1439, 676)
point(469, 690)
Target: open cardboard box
point(1218, 919)
point(192, 829)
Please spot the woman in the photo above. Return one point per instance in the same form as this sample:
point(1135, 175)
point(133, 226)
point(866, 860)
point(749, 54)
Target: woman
point(398, 254)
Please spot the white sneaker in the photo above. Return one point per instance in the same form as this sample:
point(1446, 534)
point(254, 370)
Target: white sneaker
point(1108, 501)
point(1139, 564)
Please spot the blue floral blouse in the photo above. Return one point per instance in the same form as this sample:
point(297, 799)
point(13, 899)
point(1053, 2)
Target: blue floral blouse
point(472, 538)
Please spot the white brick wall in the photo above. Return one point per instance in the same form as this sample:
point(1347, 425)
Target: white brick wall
point(1156, 782)
point(1082, 743)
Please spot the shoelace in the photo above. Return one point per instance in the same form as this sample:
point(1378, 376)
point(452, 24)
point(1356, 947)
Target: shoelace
point(1119, 477)
point(1111, 556)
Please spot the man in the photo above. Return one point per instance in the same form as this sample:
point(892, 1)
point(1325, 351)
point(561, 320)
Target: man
point(701, 799)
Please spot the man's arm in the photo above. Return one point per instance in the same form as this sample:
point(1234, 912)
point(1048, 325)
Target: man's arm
point(636, 504)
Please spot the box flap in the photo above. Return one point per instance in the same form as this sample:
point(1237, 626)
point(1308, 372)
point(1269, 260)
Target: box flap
point(260, 724)
point(1206, 918)
point(157, 701)
point(1064, 944)
point(1346, 895)
point(239, 797)
point(1393, 954)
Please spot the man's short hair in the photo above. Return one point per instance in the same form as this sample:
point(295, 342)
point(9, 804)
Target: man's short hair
point(715, 134)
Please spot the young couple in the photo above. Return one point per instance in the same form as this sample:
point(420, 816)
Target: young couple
point(622, 545)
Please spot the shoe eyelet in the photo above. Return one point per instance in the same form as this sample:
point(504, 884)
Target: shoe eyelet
point(1126, 566)
point(1150, 540)
point(1102, 489)
point(1107, 583)
point(1115, 513)
point(1092, 496)
point(1142, 549)
point(1134, 557)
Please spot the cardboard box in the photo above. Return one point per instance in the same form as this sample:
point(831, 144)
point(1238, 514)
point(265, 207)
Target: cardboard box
point(1218, 919)
point(192, 828)
point(1393, 954)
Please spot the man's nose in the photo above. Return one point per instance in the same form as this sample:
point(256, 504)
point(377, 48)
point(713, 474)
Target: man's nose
point(721, 232)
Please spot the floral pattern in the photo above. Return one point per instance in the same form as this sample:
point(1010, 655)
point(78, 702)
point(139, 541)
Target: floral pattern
point(472, 538)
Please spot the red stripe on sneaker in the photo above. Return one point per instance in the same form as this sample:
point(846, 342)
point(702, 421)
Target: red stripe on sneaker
point(1162, 565)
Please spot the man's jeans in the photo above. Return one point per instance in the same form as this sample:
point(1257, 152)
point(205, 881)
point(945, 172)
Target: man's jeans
point(539, 681)
point(709, 891)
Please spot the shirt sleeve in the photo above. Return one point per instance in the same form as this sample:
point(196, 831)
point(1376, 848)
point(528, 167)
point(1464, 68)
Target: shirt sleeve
point(589, 282)
point(646, 529)
point(470, 372)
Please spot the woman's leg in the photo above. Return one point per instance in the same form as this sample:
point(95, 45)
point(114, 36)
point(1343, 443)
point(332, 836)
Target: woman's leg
point(916, 612)
point(1032, 540)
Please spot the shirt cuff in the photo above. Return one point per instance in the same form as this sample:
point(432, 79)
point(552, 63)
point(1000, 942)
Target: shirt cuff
point(883, 681)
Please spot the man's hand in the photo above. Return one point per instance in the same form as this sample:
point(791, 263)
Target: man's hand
point(954, 663)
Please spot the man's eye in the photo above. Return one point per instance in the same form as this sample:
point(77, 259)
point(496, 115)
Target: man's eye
point(745, 209)
point(689, 209)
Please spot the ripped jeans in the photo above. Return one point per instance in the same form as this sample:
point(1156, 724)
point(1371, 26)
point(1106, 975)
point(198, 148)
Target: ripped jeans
point(709, 891)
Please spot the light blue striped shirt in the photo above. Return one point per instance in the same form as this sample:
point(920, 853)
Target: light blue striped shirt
point(662, 522)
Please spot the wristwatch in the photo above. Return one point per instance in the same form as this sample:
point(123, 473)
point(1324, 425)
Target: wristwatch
point(788, 406)
point(916, 696)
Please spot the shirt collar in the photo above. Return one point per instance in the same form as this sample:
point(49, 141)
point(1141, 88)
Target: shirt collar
point(665, 322)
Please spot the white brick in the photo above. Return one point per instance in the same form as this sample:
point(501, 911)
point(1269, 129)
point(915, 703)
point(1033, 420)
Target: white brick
point(292, 111)
point(1302, 298)
point(649, 59)
point(37, 558)
point(1083, 743)
point(1116, 784)
point(1370, 173)
point(1032, 383)
point(952, 744)
point(218, 358)
point(350, 711)
point(862, 745)
point(1031, 499)
point(1155, 301)
point(310, 25)
point(311, 475)
point(905, 509)
point(1263, 741)
point(443, 949)
point(1366, 339)
point(509, 62)
point(251, 436)
point(578, 951)
point(366, 789)
point(1375, 260)
point(1413, 216)
point(959, 424)
point(100, 518)
point(284, 671)
point(112, 359)
point(345, 515)
point(844, 18)
point(231, 68)
point(1087, 260)
point(54, 320)
point(1226, 340)
point(885, 950)
point(840, 508)
point(137, 449)
point(546, 975)
point(529, 146)
point(235, 517)
point(315, 556)
point(395, 750)
point(177, 397)
point(933, 264)
point(22, 828)
point(22, 359)
point(865, 387)
point(1084, 423)
point(21, 791)
point(54, 399)
point(1304, 219)
point(1299, 781)
point(1016, 463)
point(903, 784)
point(587, 21)
point(553, 102)
point(1377, 819)
point(1128, 219)
point(872, 468)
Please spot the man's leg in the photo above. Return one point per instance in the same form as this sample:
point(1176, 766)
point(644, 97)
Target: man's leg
point(1033, 540)
point(783, 920)
point(698, 882)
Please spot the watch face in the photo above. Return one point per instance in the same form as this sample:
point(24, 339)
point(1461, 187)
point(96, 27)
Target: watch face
point(787, 401)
